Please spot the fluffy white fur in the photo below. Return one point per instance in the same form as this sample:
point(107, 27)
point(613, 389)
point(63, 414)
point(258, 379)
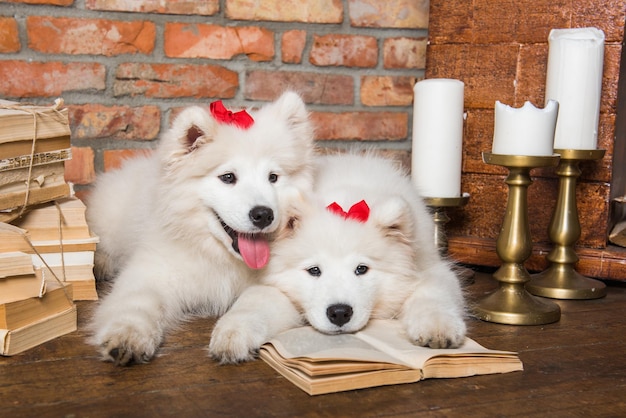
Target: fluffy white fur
point(158, 219)
point(336, 274)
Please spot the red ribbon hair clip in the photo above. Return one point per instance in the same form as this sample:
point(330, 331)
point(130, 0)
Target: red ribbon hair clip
point(240, 119)
point(359, 211)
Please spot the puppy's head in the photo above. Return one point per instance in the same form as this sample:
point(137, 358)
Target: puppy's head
point(237, 183)
point(340, 271)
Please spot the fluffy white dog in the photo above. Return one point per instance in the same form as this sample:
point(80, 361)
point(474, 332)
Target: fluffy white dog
point(185, 230)
point(369, 255)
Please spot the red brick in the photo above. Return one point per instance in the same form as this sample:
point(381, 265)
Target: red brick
point(387, 90)
point(117, 122)
point(181, 7)
point(361, 126)
point(175, 80)
point(308, 11)
point(401, 53)
point(48, 2)
point(330, 89)
point(9, 35)
point(292, 46)
point(344, 50)
point(80, 169)
point(89, 36)
point(191, 40)
point(411, 14)
point(30, 79)
point(114, 159)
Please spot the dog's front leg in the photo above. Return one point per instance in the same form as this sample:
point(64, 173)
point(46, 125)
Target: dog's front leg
point(434, 314)
point(259, 313)
point(129, 323)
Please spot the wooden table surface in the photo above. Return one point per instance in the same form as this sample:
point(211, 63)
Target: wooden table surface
point(575, 367)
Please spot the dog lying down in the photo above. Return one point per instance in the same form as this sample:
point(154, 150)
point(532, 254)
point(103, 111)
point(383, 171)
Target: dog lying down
point(362, 250)
point(184, 231)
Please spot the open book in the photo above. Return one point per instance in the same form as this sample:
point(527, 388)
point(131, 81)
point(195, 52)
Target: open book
point(378, 355)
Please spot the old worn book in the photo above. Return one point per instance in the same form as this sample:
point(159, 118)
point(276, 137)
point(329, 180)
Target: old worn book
point(11, 241)
point(47, 191)
point(71, 267)
point(15, 341)
point(58, 298)
point(378, 355)
point(24, 147)
point(71, 260)
point(13, 181)
point(21, 121)
point(35, 160)
point(81, 277)
point(15, 263)
point(13, 288)
point(64, 218)
point(22, 125)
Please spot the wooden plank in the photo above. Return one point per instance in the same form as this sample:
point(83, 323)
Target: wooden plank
point(608, 263)
point(488, 71)
point(570, 366)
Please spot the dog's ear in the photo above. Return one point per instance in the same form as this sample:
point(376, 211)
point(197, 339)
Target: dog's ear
point(193, 127)
point(193, 134)
point(394, 218)
point(291, 108)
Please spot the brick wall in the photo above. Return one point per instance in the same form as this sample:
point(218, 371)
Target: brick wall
point(501, 54)
point(124, 66)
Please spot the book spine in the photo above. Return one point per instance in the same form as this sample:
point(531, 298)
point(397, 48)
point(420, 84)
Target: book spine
point(24, 161)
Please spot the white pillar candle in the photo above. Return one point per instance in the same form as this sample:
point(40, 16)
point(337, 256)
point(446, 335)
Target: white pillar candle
point(524, 131)
point(574, 79)
point(437, 137)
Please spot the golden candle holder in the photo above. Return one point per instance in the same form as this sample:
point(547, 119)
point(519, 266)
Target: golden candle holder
point(561, 280)
point(441, 218)
point(511, 303)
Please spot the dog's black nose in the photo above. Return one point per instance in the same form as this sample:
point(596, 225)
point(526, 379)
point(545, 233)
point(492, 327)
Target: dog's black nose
point(339, 314)
point(261, 216)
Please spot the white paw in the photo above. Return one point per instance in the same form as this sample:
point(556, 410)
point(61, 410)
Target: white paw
point(125, 344)
point(437, 330)
point(234, 341)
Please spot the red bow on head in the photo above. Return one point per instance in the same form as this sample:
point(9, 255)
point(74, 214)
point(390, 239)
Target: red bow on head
point(240, 119)
point(359, 211)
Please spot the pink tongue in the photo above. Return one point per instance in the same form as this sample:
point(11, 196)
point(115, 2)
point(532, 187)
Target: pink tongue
point(255, 252)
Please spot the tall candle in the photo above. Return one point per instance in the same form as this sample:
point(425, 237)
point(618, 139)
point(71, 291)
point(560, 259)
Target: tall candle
point(524, 131)
point(574, 79)
point(437, 137)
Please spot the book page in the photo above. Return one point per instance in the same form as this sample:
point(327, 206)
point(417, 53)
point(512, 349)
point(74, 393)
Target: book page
point(380, 341)
point(306, 342)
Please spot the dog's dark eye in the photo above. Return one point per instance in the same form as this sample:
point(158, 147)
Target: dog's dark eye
point(314, 271)
point(273, 178)
point(228, 178)
point(361, 269)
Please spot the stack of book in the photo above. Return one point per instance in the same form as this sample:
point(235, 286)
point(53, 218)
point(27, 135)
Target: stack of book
point(32, 310)
point(46, 247)
point(60, 243)
point(34, 145)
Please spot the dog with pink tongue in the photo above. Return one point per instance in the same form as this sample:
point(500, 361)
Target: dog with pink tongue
point(184, 230)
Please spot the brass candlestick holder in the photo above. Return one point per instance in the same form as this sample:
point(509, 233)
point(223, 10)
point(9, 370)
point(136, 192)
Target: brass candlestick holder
point(511, 303)
point(441, 218)
point(561, 280)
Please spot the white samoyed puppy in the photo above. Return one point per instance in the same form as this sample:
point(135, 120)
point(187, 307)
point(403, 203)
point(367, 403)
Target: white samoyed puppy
point(371, 254)
point(186, 229)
